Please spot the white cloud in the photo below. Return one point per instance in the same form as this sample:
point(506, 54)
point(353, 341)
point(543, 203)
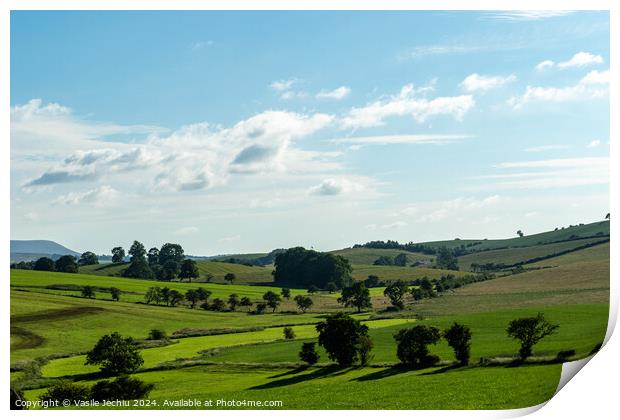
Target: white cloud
point(98, 197)
point(337, 186)
point(282, 85)
point(550, 173)
point(581, 59)
point(336, 94)
point(546, 148)
point(521, 15)
point(187, 230)
point(592, 86)
point(436, 211)
point(476, 82)
point(407, 103)
point(230, 238)
point(594, 143)
point(291, 94)
point(402, 139)
point(544, 65)
point(439, 49)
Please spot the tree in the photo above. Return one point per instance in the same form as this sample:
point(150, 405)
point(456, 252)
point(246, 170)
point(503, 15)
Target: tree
point(260, 308)
point(401, 260)
point(246, 302)
point(286, 293)
point(156, 334)
point(233, 301)
point(412, 345)
point(171, 252)
point(458, 337)
point(153, 256)
point(272, 300)
point(301, 268)
point(44, 264)
point(121, 388)
point(289, 333)
point(230, 277)
point(417, 294)
point(308, 353)
point(118, 254)
point(189, 270)
point(396, 291)
point(364, 347)
point(66, 264)
point(372, 281)
point(88, 292)
point(137, 251)
point(165, 295)
point(168, 270)
point(115, 292)
point(339, 334)
point(357, 296)
point(303, 302)
point(217, 305)
point(66, 391)
point(208, 277)
point(474, 267)
point(153, 294)
point(175, 297)
point(383, 260)
point(115, 354)
point(192, 297)
point(88, 258)
point(331, 287)
point(138, 269)
point(446, 259)
point(530, 331)
point(520, 233)
point(203, 294)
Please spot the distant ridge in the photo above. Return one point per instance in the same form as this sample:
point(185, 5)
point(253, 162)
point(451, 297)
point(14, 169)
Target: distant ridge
point(28, 250)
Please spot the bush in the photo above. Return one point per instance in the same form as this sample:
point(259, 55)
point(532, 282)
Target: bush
point(308, 353)
point(364, 347)
point(155, 334)
point(122, 388)
point(340, 335)
point(289, 334)
point(88, 292)
point(412, 345)
point(66, 391)
point(564, 355)
point(260, 308)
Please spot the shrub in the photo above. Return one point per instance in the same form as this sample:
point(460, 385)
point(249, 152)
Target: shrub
point(156, 334)
point(412, 345)
point(289, 334)
point(88, 292)
point(66, 390)
point(308, 353)
point(122, 388)
point(364, 347)
point(260, 308)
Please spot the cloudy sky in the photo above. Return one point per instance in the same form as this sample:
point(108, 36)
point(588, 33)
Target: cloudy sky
point(238, 132)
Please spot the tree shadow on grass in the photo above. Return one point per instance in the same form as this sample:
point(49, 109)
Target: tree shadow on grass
point(385, 373)
point(443, 369)
point(324, 372)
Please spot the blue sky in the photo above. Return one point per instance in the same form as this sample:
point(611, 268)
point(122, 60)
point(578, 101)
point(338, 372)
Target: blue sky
point(247, 131)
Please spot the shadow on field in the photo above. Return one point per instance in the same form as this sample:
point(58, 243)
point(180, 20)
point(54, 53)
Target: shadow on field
point(385, 373)
point(314, 374)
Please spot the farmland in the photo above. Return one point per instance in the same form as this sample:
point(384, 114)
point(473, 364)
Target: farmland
point(238, 355)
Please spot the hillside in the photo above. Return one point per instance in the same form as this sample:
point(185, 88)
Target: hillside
point(29, 250)
point(368, 256)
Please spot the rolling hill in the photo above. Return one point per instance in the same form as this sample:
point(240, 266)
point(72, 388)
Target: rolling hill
point(28, 250)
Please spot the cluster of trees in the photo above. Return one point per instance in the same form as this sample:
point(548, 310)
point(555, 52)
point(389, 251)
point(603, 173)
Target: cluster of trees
point(299, 267)
point(166, 263)
point(64, 264)
point(446, 259)
point(89, 292)
point(410, 246)
point(347, 341)
point(400, 260)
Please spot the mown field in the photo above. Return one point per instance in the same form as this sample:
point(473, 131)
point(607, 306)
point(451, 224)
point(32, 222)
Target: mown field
point(249, 359)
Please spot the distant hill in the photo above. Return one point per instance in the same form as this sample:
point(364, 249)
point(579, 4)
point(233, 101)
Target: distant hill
point(35, 249)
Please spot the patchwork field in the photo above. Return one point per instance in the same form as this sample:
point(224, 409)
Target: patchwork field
point(240, 356)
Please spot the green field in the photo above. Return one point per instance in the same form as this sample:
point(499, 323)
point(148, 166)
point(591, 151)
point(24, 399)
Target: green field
point(239, 356)
point(367, 256)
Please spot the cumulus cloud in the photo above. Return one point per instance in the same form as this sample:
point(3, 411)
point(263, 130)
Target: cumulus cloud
point(476, 82)
point(336, 94)
point(544, 65)
point(402, 139)
point(581, 59)
point(282, 85)
point(407, 102)
point(202, 155)
point(337, 186)
point(593, 85)
point(102, 196)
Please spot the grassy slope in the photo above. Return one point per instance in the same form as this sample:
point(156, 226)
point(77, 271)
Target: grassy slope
point(587, 230)
point(511, 256)
point(390, 273)
point(244, 273)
